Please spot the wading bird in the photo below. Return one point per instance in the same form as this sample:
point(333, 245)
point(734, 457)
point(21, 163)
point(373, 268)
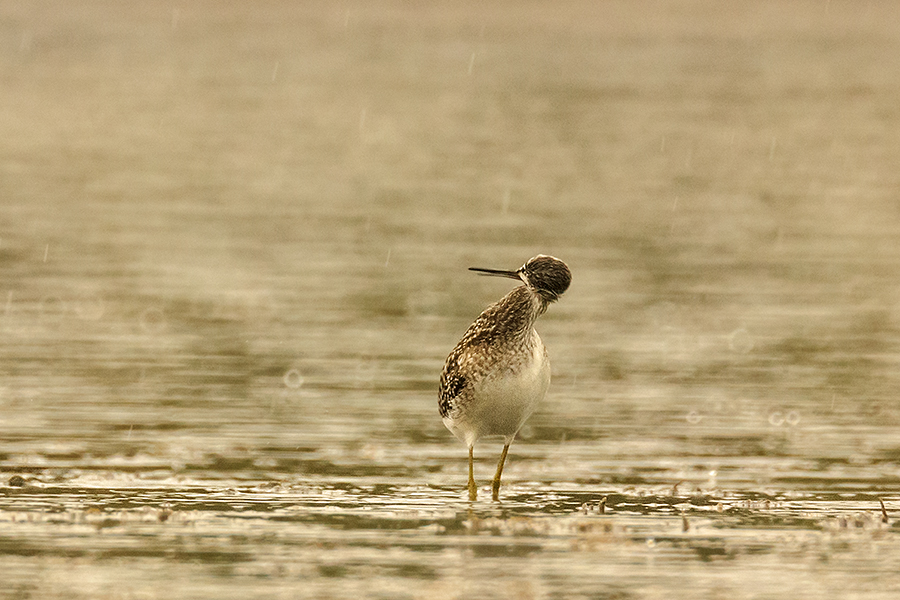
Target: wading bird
point(499, 371)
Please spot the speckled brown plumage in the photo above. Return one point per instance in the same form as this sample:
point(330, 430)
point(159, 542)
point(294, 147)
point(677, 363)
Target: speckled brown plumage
point(494, 341)
point(499, 370)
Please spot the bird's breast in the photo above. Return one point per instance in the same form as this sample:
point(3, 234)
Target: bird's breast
point(504, 399)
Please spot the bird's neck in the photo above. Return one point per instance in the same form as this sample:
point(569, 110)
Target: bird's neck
point(518, 310)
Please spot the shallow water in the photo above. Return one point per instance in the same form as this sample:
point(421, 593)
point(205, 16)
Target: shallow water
point(234, 244)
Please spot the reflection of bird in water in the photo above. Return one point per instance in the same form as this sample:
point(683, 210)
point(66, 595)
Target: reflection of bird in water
point(499, 371)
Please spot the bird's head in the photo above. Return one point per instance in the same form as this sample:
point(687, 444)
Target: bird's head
point(548, 276)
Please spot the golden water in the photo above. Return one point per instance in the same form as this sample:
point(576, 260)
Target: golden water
point(234, 243)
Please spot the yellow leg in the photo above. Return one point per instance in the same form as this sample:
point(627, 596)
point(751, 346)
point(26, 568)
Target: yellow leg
point(495, 487)
point(473, 491)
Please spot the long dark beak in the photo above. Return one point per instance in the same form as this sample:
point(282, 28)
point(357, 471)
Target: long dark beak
point(496, 272)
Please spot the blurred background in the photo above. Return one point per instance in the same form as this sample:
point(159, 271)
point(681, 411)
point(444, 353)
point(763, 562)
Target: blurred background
point(234, 240)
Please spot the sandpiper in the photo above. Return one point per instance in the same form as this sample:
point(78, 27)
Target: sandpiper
point(499, 370)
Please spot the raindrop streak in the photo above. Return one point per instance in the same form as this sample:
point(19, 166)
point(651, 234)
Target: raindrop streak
point(275, 71)
point(471, 63)
point(293, 379)
point(25, 42)
point(46, 252)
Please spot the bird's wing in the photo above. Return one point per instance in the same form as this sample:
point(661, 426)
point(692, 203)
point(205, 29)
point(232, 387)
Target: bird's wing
point(453, 382)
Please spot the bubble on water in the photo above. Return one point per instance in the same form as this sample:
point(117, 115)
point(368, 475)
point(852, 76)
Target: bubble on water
point(792, 418)
point(776, 418)
point(740, 341)
point(153, 320)
point(718, 403)
point(694, 417)
point(90, 307)
point(293, 379)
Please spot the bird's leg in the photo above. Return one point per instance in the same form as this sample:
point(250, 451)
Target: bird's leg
point(473, 491)
point(496, 484)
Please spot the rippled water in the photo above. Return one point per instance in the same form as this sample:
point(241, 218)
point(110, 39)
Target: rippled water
point(234, 243)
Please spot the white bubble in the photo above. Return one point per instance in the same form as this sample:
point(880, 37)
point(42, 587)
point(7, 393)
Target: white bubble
point(694, 417)
point(776, 418)
point(740, 341)
point(293, 379)
point(90, 307)
point(792, 418)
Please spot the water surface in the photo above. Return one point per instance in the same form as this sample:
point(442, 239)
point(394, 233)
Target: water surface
point(234, 244)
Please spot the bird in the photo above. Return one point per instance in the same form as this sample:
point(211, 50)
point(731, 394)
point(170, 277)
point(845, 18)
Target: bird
point(499, 371)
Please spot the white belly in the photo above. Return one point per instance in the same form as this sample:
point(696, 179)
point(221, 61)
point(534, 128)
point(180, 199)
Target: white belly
point(502, 402)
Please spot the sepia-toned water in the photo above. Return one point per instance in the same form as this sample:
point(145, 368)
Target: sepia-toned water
point(233, 250)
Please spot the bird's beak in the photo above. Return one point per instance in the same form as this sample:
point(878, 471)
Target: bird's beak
point(496, 272)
